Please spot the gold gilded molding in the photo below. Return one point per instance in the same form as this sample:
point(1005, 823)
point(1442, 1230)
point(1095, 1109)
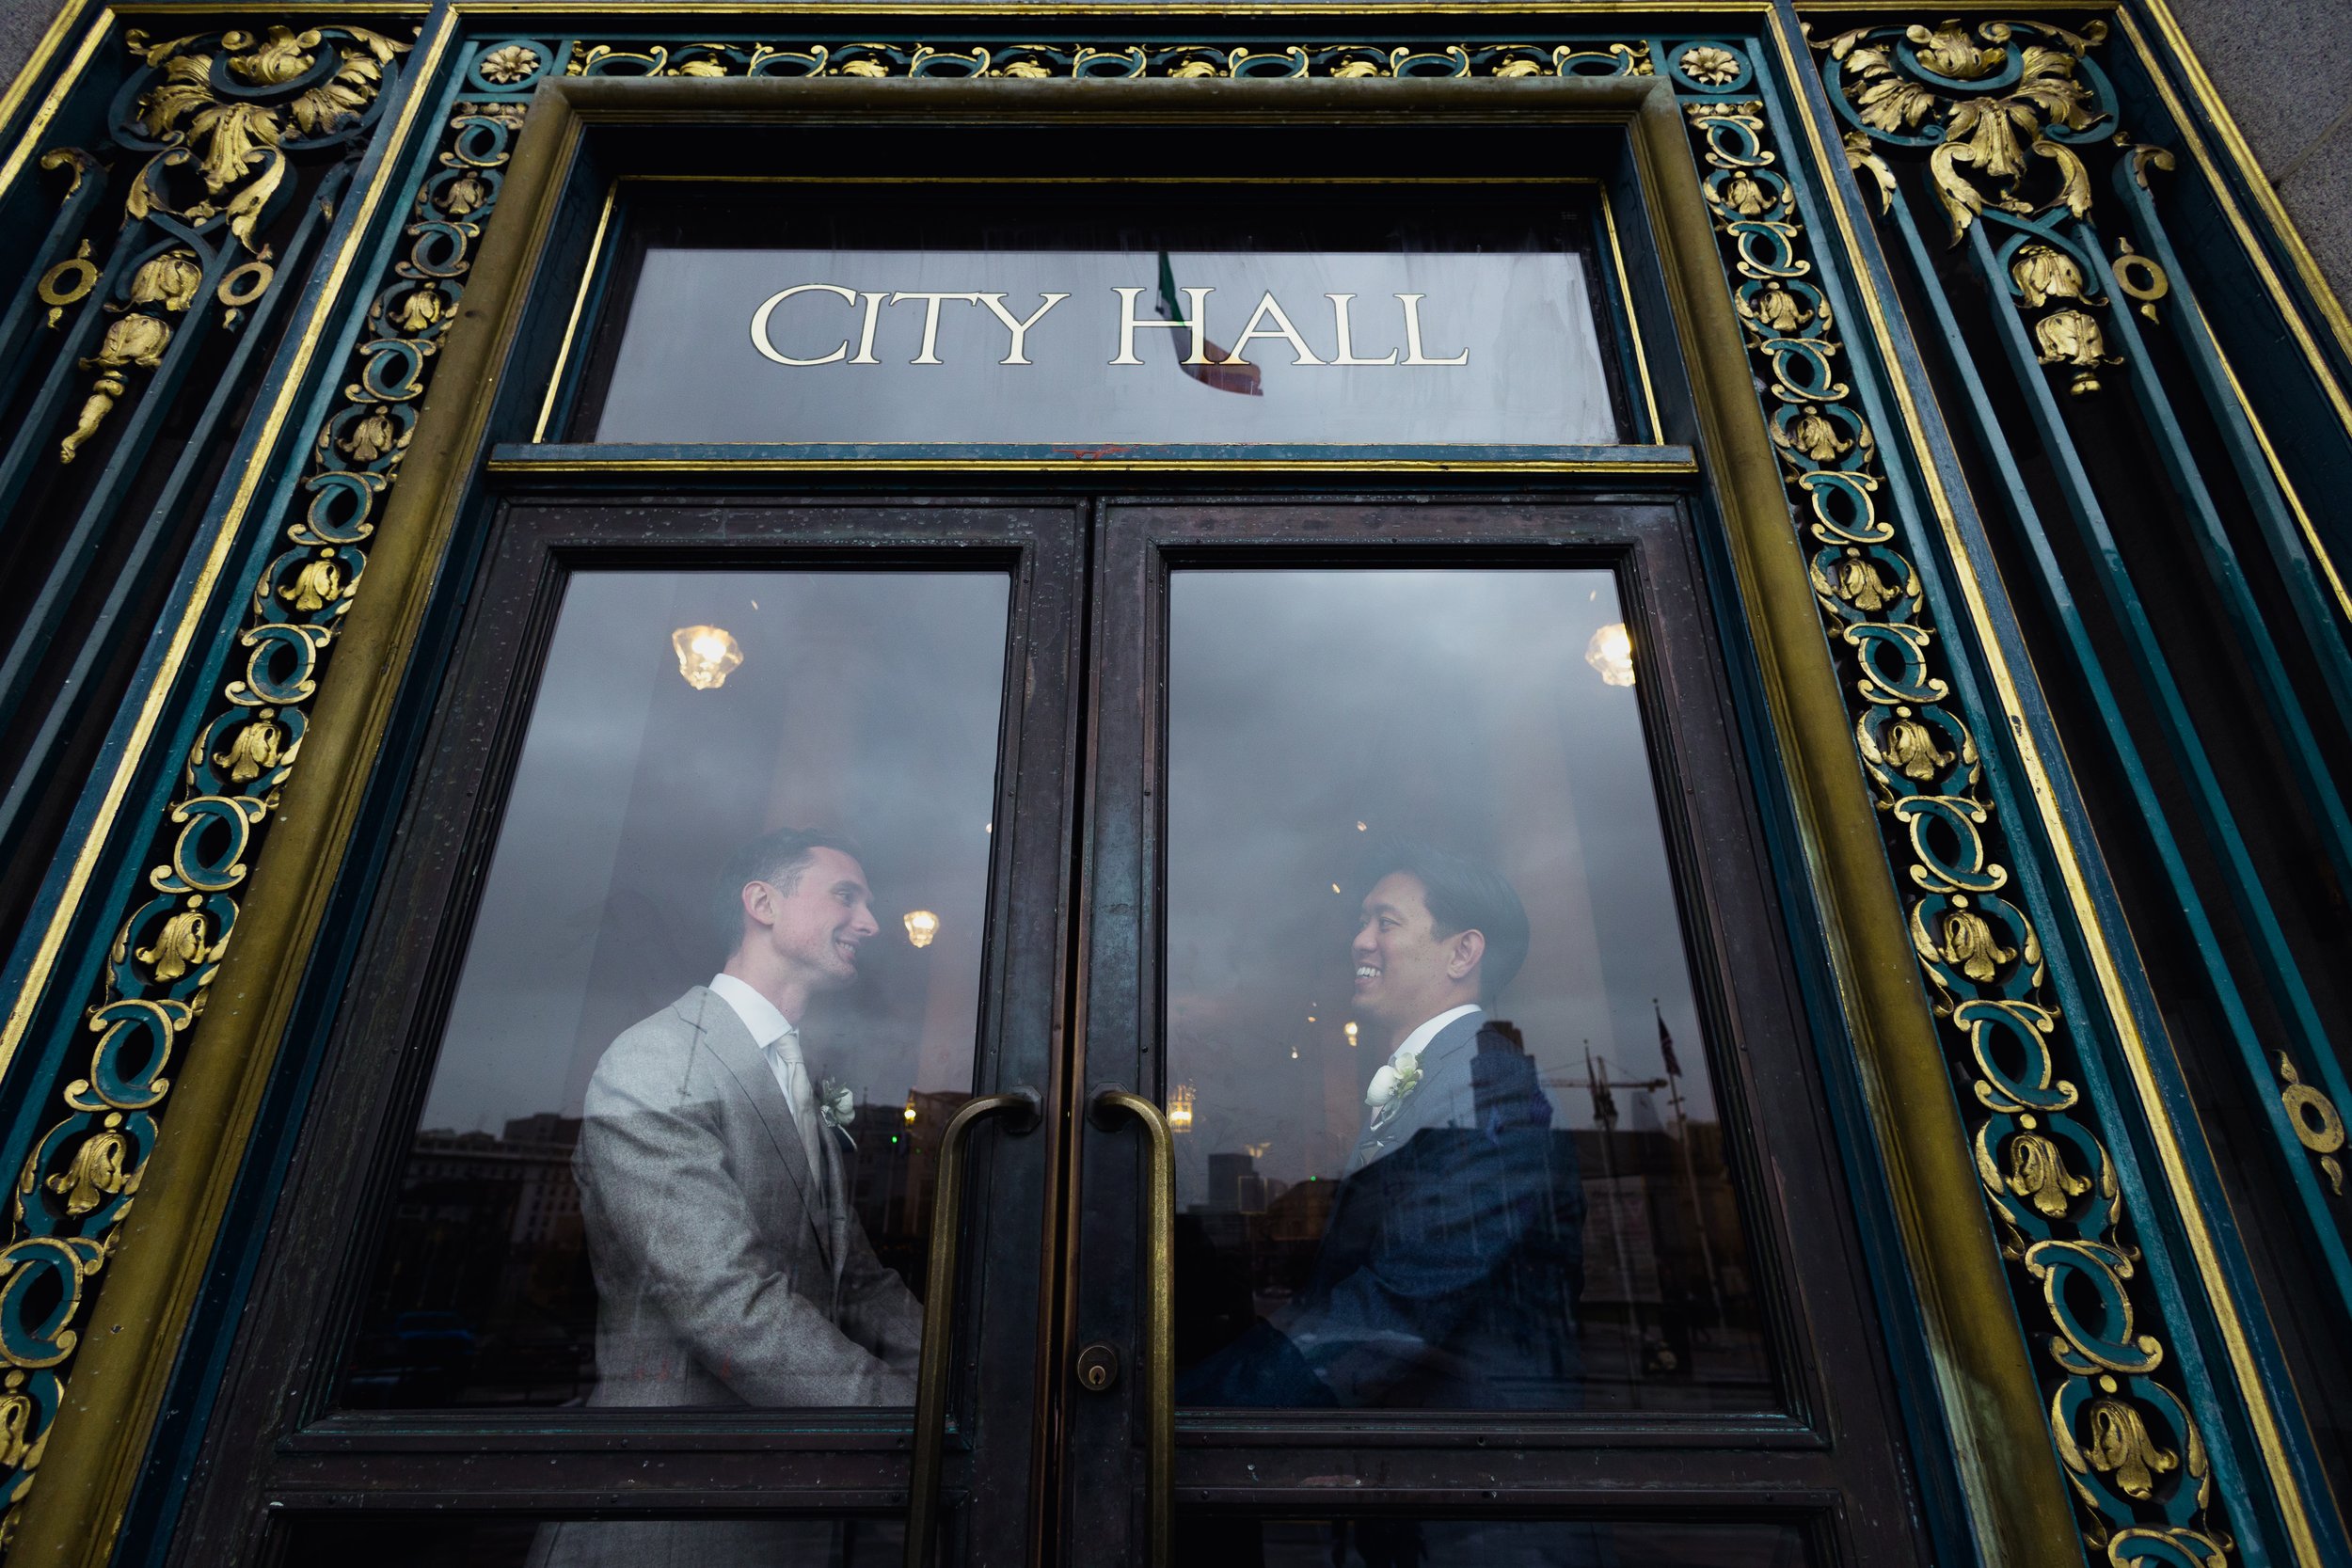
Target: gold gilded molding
point(2318, 1125)
point(2018, 1513)
point(2130, 1448)
point(2106, 950)
point(180, 951)
point(1990, 1398)
point(1987, 143)
point(67, 79)
point(213, 112)
point(2274, 212)
point(45, 49)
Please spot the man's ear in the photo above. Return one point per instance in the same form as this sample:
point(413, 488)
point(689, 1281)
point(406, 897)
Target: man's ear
point(1468, 949)
point(759, 902)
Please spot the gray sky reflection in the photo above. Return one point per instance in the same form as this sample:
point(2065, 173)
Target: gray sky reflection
point(687, 370)
point(1451, 706)
point(866, 701)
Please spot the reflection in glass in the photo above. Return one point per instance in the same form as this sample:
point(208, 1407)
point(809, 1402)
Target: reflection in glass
point(1228, 317)
point(1452, 1141)
point(1228, 1543)
point(637, 1180)
point(375, 1542)
point(1388, 1543)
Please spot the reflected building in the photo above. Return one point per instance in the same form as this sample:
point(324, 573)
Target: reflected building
point(893, 1169)
point(1866, 592)
point(483, 1295)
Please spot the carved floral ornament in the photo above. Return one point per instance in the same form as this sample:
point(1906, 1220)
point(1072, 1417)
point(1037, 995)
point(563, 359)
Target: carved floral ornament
point(1995, 110)
point(222, 123)
point(1182, 62)
point(220, 116)
point(2009, 116)
point(232, 105)
point(2004, 111)
point(2117, 1417)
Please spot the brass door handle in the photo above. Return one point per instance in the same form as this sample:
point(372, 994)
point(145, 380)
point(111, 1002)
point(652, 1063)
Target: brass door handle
point(931, 1378)
point(1159, 1326)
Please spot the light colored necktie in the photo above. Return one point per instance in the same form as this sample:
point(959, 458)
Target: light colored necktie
point(823, 1160)
point(801, 1096)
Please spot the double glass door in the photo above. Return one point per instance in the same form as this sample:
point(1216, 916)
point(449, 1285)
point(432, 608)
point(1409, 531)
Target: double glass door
point(1072, 1030)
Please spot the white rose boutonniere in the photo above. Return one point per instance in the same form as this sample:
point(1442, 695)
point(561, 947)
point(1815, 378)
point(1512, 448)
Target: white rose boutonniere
point(1390, 1089)
point(837, 1105)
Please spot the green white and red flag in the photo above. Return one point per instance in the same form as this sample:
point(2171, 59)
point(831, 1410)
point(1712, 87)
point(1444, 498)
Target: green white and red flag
point(1226, 377)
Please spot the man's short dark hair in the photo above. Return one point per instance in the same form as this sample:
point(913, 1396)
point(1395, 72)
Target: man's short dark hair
point(1463, 894)
point(777, 859)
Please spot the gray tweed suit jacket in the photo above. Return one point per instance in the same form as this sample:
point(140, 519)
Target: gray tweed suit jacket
point(722, 1278)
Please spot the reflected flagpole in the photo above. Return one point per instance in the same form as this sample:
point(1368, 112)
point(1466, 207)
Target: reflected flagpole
point(1605, 1117)
point(1689, 1168)
point(1221, 370)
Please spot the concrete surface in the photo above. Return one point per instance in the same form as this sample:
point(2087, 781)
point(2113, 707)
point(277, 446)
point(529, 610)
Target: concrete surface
point(22, 23)
point(2285, 68)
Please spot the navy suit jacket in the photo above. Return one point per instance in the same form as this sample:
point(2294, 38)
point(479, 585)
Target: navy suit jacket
point(1448, 1274)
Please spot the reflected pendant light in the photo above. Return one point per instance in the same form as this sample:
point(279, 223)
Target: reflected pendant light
point(1610, 652)
point(705, 656)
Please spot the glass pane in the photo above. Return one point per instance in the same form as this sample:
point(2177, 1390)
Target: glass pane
point(378, 1543)
point(1483, 1543)
point(720, 999)
point(1262, 322)
point(1446, 1134)
point(375, 1541)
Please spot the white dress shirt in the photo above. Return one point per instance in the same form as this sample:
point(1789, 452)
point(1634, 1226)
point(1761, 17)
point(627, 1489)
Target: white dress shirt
point(1374, 1141)
point(1414, 1043)
point(779, 1042)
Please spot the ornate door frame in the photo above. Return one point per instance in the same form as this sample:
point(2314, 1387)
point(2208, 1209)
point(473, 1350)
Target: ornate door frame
point(2003, 958)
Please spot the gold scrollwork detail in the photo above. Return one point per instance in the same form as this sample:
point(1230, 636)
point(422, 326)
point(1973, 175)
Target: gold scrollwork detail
point(1992, 100)
point(68, 283)
point(1182, 60)
point(234, 142)
point(2318, 1125)
point(1864, 159)
point(2074, 340)
point(242, 285)
point(224, 108)
point(506, 66)
point(218, 116)
point(1991, 126)
point(2140, 278)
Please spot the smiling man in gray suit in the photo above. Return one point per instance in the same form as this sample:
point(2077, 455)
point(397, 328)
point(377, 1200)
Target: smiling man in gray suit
point(730, 1269)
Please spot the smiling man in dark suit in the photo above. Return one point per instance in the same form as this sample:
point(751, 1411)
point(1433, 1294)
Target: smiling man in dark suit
point(1448, 1274)
point(730, 1268)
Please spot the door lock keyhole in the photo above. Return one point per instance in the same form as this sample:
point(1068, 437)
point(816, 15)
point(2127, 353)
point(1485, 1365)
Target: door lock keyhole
point(1098, 1367)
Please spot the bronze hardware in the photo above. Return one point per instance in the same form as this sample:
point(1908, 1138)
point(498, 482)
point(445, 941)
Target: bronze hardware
point(930, 1385)
point(1159, 1326)
point(1098, 1367)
